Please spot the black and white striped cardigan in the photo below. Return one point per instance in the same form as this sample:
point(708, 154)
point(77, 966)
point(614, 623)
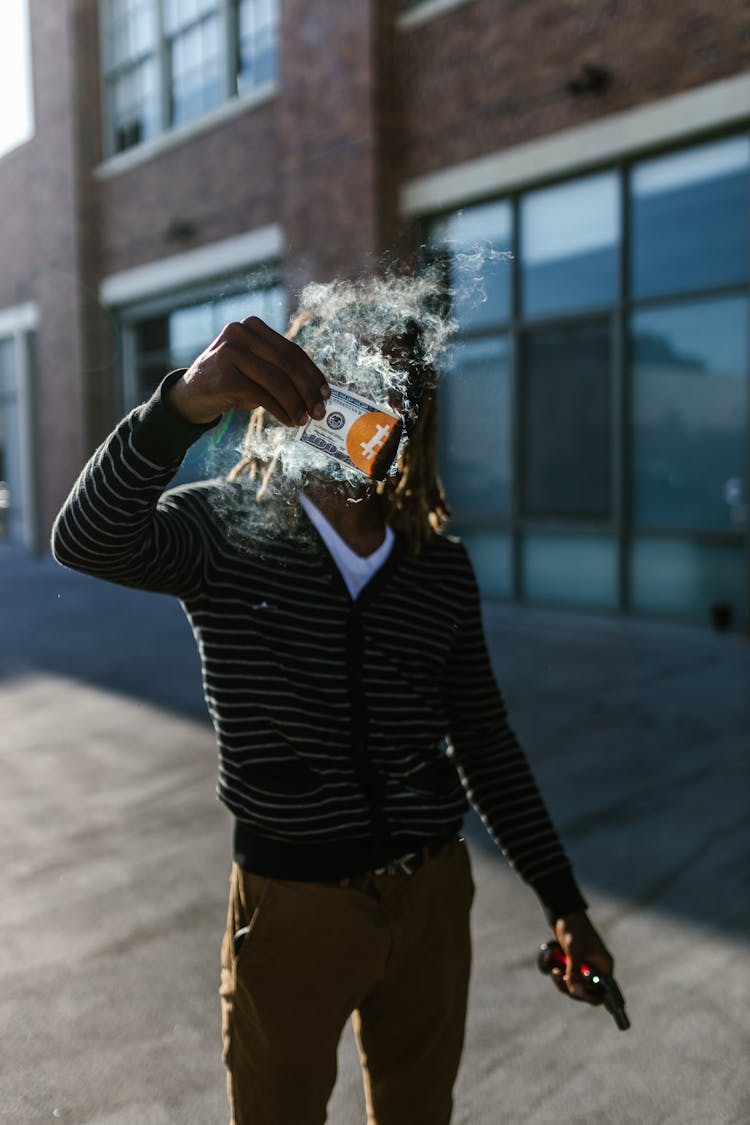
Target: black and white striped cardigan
point(348, 731)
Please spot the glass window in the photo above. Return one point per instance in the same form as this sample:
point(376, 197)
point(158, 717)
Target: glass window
point(491, 554)
point(133, 30)
point(691, 219)
point(475, 430)
point(168, 61)
point(256, 42)
point(135, 105)
point(174, 339)
point(476, 243)
point(570, 569)
point(196, 70)
point(689, 579)
point(10, 444)
point(570, 237)
point(566, 404)
point(690, 415)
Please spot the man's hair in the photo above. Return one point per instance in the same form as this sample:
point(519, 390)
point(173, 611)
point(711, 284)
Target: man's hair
point(412, 493)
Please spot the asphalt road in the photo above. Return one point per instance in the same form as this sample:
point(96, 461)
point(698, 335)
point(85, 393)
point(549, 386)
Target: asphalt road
point(115, 854)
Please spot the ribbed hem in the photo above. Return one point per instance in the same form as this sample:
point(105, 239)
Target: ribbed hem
point(161, 434)
point(559, 894)
point(313, 863)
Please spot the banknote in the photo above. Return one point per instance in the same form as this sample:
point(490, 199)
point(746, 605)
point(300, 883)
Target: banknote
point(360, 434)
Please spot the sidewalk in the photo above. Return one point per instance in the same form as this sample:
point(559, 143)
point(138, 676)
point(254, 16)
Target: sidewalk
point(115, 855)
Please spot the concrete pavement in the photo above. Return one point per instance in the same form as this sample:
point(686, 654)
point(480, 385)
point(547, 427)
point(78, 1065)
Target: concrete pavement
point(639, 734)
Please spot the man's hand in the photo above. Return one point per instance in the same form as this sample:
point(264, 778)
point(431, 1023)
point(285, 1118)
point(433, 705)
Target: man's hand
point(581, 944)
point(249, 365)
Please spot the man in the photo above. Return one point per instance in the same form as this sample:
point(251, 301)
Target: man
point(346, 673)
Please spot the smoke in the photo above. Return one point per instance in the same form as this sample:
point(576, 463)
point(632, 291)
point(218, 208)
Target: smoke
point(380, 336)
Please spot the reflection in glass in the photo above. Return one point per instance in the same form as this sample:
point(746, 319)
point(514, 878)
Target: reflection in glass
point(567, 422)
point(196, 71)
point(190, 331)
point(691, 219)
point(134, 105)
point(475, 427)
point(680, 577)
point(174, 339)
point(475, 242)
point(689, 415)
point(11, 525)
point(570, 569)
point(491, 556)
point(257, 38)
point(570, 235)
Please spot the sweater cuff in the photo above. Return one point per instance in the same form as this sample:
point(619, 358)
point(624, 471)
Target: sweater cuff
point(161, 434)
point(559, 894)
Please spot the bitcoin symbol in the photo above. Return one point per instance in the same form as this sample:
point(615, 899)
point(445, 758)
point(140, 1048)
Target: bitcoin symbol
point(367, 437)
point(376, 442)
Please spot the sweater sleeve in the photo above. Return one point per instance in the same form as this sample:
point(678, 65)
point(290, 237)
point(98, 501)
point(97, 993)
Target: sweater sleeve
point(117, 525)
point(496, 773)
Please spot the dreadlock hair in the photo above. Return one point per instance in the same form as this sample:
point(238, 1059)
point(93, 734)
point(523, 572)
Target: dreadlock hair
point(412, 493)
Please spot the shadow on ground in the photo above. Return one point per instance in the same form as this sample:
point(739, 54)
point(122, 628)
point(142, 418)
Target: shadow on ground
point(638, 733)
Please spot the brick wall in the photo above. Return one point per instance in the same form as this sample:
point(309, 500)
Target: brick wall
point(304, 159)
point(361, 107)
point(54, 254)
point(493, 73)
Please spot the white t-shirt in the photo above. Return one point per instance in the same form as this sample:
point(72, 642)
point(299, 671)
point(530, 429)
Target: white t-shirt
point(356, 570)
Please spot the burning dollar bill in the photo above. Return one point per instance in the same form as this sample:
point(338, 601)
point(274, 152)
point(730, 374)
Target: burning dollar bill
point(358, 433)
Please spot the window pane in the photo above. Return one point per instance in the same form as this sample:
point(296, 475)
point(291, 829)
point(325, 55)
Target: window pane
point(133, 30)
point(690, 415)
point(11, 525)
point(268, 304)
point(570, 237)
point(474, 409)
point(174, 339)
point(196, 71)
point(491, 556)
point(691, 219)
point(181, 13)
point(688, 578)
point(474, 242)
point(257, 35)
point(190, 331)
point(574, 570)
point(566, 421)
point(134, 101)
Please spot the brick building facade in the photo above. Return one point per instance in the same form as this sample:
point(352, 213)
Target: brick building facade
point(157, 190)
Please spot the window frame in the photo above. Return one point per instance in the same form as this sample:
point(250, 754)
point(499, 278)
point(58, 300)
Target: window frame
point(621, 525)
point(227, 13)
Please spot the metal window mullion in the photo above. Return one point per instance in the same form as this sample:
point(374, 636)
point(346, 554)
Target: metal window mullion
point(105, 80)
point(516, 407)
point(164, 68)
point(230, 39)
point(621, 404)
point(746, 483)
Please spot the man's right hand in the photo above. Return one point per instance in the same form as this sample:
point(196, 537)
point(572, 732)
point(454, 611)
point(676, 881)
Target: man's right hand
point(250, 365)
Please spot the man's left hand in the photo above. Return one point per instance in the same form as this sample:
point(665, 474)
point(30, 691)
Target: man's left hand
point(581, 944)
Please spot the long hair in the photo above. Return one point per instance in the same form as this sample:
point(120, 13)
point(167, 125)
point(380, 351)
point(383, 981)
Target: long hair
point(412, 494)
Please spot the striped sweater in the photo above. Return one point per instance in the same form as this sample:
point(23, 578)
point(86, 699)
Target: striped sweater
point(349, 732)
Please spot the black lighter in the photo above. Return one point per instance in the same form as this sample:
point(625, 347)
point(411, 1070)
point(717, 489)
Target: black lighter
point(551, 957)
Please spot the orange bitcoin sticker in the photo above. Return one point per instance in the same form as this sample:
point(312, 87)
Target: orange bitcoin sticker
point(366, 438)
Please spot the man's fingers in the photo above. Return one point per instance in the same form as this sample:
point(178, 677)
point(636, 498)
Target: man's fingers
point(561, 981)
point(263, 377)
point(289, 358)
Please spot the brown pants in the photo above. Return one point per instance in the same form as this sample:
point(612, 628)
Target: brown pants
point(392, 951)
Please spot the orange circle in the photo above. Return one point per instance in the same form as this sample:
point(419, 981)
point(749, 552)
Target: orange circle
point(366, 438)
